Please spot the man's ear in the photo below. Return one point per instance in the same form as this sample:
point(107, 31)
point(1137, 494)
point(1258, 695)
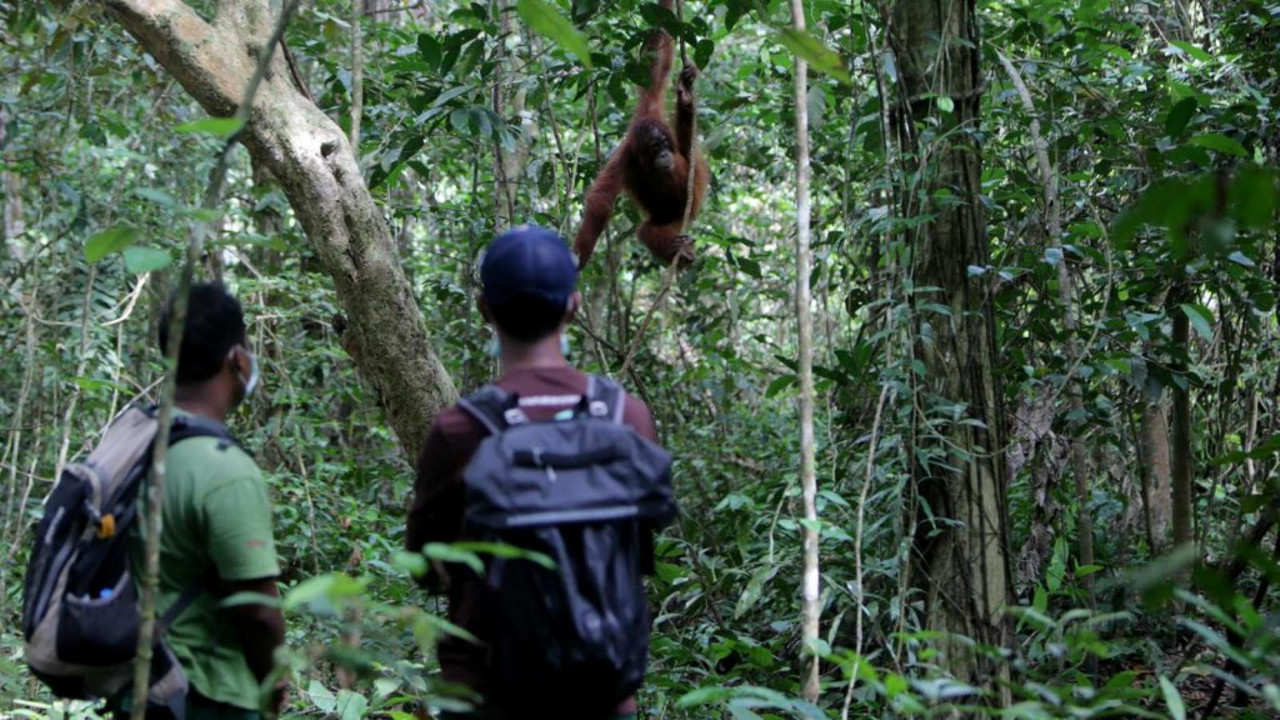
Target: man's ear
point(575, 302)
point(238, 360)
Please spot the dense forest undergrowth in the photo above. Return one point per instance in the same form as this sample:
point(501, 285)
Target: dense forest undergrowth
point(1045, 263)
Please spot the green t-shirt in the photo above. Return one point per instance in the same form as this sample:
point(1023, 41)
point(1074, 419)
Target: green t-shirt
point(217, 521)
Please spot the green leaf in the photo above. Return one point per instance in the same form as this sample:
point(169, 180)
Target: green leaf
point(216, 126)
point(351, 705)
point(109, 241)
point(330, 587)
point(447, 553)
point(1176, 121)
point(1201, 319)
point(1240, 258)
point(413, 563)
point(140, 260)
point(159, 197)
point(1192, 50)
point(946, 104)
point(755, 588)
point(506, 552)
point(1220, 143)
point(1177, 709)
point(809, 49)
point(779, 384)
point(322, 697)
point(547, 21)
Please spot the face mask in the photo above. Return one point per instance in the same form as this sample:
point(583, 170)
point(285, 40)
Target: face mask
point(251, 383)
point(564, 344)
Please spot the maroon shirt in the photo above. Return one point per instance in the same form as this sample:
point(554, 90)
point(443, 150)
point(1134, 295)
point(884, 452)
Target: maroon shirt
point(436, 512)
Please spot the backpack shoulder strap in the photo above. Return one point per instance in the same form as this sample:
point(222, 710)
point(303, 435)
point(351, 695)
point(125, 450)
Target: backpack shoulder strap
point(189, 426)
point(494, 407)
point(183, 602)
point(605, 398)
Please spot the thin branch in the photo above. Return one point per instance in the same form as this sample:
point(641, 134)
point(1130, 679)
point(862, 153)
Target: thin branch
point(177, 324)
point(357, 74)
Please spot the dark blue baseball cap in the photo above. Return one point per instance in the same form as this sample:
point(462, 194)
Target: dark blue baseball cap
point(528, 262)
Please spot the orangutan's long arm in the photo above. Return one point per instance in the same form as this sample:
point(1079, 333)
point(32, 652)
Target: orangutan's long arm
point(598, 206)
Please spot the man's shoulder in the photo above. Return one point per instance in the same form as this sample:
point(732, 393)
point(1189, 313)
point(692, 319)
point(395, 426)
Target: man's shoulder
point(211, 457)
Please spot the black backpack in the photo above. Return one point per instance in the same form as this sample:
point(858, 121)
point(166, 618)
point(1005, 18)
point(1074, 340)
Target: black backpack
point(80, 614)
point(588, 492)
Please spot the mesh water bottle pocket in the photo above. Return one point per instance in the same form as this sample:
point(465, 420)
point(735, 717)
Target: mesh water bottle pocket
point(100, 628)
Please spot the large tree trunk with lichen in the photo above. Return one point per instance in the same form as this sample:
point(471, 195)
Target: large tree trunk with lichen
point(961, 551)
point(310, 156)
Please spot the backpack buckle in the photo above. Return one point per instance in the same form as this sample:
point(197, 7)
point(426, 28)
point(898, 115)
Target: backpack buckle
point(598, 408)
point(514, 416)
point(107, 527)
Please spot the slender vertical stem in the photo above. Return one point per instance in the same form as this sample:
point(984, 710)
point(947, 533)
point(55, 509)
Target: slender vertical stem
point(357, 73)
point(1066, 293)
point(177, 323)
point(804, 317)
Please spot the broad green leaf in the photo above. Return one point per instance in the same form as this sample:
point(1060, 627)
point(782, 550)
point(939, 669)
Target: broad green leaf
point(1192, 50)
point(216, 126)
point(108, 241)
point(1240, 258)
point(946, 104)
point(447, 553)
point(755, 588)
point(322, 697)
point(812, 51)
point(1201, 319)
point(779, 384)
point(413, 563)
point(506, 552)
point(351, 705)
point(140, 260)
point(1176, 121)
point(159, 197)
point(1220, 143)
point(333, 586)
point(547, 21)
point(1177, 709)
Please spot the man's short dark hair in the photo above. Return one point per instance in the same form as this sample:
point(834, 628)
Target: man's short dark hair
point(529, 319)
point(215, 324)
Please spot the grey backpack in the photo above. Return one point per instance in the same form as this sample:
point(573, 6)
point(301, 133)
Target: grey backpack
point(80, 614)
point(588, 492)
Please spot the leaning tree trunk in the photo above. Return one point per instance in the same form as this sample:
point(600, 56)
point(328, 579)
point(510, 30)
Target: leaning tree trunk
point(312, 158)
point(961, 551)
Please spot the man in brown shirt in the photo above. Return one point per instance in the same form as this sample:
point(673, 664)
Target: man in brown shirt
point(529, 297)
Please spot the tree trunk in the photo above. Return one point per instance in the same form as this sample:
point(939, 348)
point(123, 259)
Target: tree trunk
point(1155, 455)
point(961, 563)
point(1181, 431)
point(312, 158)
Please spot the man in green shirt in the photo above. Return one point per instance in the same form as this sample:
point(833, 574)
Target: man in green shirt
point(217, 526)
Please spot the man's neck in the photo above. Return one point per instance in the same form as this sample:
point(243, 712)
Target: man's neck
point(201, 404)
point(543, 354)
